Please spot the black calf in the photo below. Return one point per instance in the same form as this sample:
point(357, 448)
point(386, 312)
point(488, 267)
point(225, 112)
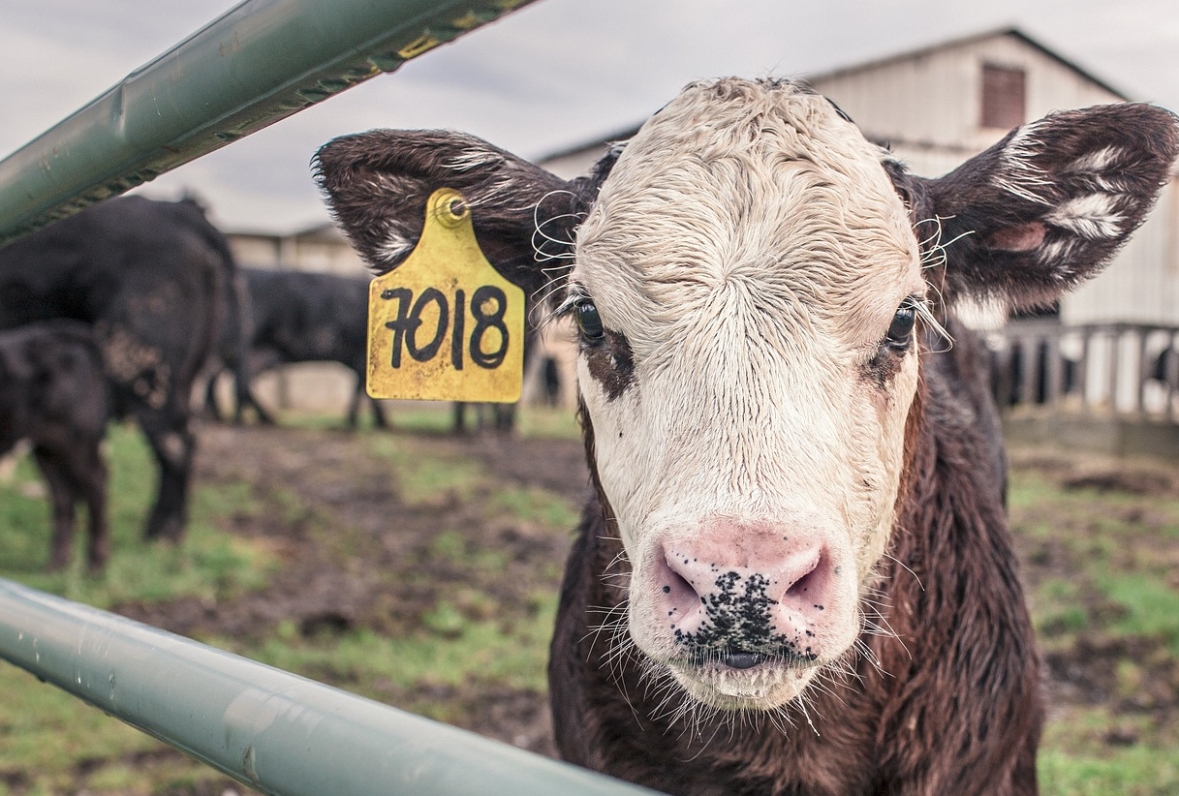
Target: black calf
point(52, 393)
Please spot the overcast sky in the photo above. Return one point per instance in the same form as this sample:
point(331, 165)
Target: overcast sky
point(554, 74)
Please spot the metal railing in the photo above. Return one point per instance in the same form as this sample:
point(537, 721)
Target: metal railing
point(260, 62)
point(1117, 369)
point(272, 730)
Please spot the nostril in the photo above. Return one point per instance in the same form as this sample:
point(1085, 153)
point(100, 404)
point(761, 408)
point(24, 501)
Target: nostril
point(808, 581)
point(677, 596)
point(676, 586)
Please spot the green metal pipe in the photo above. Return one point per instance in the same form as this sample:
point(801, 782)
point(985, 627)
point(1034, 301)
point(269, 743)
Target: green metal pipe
point(276, 732)
point(260, 62)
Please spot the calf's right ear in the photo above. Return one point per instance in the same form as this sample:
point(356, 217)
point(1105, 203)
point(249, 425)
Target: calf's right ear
point(378, 183)
point(1046, 207)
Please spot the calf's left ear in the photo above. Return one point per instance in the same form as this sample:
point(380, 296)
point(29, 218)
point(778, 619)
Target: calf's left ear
point(378, 183)
point(1046, 207)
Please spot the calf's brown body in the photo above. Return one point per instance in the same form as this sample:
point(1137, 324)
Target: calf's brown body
point(734, 272)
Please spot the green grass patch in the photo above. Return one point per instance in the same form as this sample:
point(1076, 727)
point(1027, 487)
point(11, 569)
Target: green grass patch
point(451, 649)
point(46, 731)
point(534, 504)
point(1134, 771)
point(1076, 760)
point(423, 477)
point(1150, 607)
point(1057, 610)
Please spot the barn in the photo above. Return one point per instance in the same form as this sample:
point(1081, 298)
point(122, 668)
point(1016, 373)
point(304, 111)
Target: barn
point(937, 106)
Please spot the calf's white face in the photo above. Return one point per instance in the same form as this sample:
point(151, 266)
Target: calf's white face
point(748, 260)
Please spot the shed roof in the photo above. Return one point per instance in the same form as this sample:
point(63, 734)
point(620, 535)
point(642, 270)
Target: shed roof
point(965, 41)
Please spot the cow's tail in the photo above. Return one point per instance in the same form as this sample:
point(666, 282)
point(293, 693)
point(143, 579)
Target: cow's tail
point(238, 311)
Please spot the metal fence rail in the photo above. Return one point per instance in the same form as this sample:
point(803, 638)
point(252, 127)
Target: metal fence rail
point(262, 61)
point(269, 729)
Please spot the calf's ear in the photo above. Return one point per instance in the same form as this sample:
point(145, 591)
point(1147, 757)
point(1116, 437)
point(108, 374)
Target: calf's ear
point(1047, 206)
point(377, 184)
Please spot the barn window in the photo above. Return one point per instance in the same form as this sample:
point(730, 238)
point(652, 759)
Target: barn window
point(1002, 97)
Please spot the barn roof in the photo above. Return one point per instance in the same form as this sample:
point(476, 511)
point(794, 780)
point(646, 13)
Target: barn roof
point(879, 62)
point(967, 41)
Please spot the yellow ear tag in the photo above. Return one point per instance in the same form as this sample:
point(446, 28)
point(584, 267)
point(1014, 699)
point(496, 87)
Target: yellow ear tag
point(444, 325)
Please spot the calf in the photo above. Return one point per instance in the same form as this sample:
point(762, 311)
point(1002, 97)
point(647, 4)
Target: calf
point(795, 575)
point(148, 277)
point(52, 393)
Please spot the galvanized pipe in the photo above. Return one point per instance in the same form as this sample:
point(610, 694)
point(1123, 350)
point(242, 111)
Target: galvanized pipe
point(260, 62)
point(274, 731)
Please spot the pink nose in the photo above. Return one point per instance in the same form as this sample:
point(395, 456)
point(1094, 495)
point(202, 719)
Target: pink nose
point(733, 590)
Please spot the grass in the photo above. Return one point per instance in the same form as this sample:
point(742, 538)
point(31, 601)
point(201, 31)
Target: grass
point(1138, 771)
point(48, 736)
point(1104, 601)
point(1077, 758)
point(210, 565)
point(451, 650)
point(1149, 607)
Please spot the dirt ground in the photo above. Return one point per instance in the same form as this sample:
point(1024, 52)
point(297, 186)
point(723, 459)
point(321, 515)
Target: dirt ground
point(383, 576)
point(325, 587)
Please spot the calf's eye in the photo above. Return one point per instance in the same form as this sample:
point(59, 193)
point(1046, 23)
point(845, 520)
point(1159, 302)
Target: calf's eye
point(589, 322)
point(900, 332)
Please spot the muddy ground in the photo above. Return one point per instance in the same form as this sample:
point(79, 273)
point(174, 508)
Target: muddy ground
point(325, 587)
point(383, 573)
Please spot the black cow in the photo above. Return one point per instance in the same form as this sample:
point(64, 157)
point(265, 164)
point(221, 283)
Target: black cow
point(298, 316)
point(52, 393)
point(149, 277)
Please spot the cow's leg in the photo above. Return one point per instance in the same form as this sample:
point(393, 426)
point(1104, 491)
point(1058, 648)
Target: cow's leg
point(505, 418)
point(212, 408)
point(61, 496)
point(354, 406)
point(243, 399)
point(246, 398)
point(174, 445)
point(460, 417)
point(379, 419)
point(92, 481)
